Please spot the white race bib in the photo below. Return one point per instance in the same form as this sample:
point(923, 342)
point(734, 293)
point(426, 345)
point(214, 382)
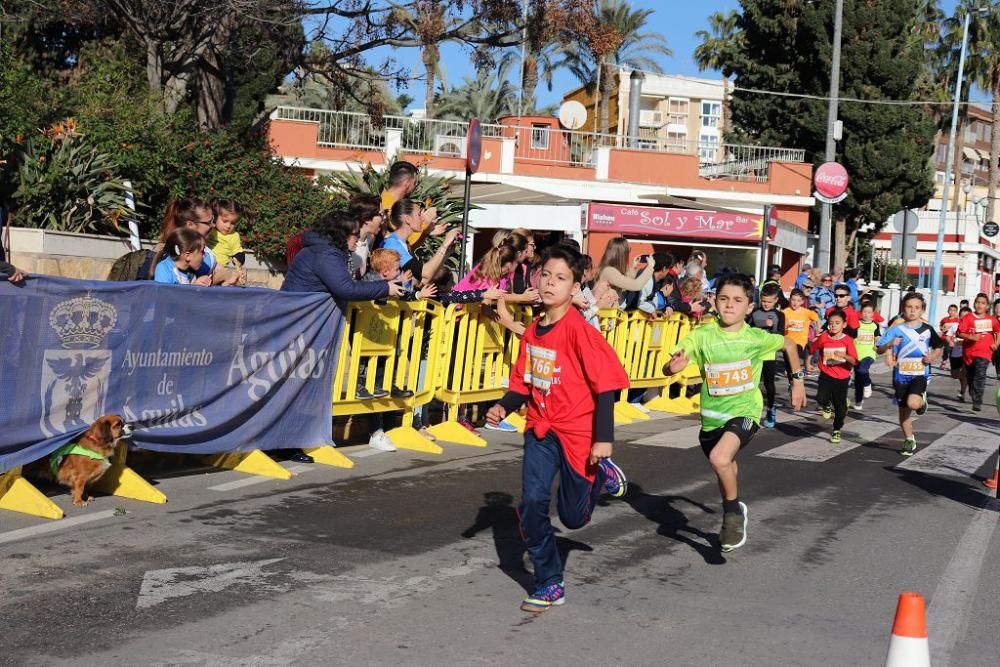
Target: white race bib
point(727, 379)
point(984, 326)
point(866, 338)
point(910, 366)
point(834, 355)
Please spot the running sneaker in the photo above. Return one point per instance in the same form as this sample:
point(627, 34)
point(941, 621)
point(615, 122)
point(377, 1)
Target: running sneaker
point(381, 442)
point(976, 407)
point(734, 529)
point(860, 405)
point(615, 482)
point(923, 406)
point(541, 600)
point(504, 427)
point(770, 418)
point(909, 447)
point(468, 425)
point(835, 437)
point(868, 391)
point(827, 412)
point(960, 396)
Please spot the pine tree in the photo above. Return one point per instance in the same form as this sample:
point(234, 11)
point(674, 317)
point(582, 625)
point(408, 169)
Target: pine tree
point(787, 47)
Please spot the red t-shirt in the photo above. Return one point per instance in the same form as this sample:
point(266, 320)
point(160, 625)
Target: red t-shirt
point(987, 325)
point(830, 350)
point(854, 317)
point(949, 324)
point(562, 373)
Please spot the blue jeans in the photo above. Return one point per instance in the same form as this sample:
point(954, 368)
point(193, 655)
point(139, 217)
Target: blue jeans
point(862, 378)
point(576, 497)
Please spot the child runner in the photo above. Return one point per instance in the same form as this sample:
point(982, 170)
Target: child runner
point(730, 355)
point(772, 321)
point(996, 353)
point(949, 327)
point(798, 319)
point(570, 378)
point(836, 356)
point(868, 333)
point(956, 361)
point(915, 345)
point(979, 332)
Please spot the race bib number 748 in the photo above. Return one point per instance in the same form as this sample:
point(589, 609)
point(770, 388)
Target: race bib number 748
point(726, 379)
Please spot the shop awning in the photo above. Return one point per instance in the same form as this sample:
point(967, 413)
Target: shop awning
point(499, 193)
point(985, 155)
point(970, 153)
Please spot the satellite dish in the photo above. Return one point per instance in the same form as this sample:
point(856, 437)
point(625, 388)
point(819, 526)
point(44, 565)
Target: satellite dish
point(572, 115)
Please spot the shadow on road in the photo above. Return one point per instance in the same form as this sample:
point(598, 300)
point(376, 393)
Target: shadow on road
point(674, 524)
point(499, 515)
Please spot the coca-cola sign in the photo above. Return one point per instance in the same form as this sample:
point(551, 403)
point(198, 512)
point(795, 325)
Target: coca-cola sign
point(656, 221)
point(831, 182)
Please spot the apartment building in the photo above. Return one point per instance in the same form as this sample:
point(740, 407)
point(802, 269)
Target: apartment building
point(973, 171)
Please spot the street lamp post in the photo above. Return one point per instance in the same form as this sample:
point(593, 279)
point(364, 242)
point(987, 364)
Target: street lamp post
point(826, 213)
point(936, 282)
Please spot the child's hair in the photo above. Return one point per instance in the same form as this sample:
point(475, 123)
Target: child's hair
point(178, 242)
point(443, 279)
point(491, 266)
point(837, 312)
point(982, 295)
point(363, 207)
point(382, 259)
point(691, 289)
point(735, 280)
point(796, 292)
point(915, 296)
point(952, 306)
point(615, 256)
point(525, 232)
point(964, 310)
point(574, 245)
point(867, 304)
point(518, 241)
point(573, 259)
point(222, 204)
point(770, 289)
point(401, 208)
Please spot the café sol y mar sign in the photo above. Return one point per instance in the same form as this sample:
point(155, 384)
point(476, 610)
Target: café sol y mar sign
point(831, 182)
point(656, 221)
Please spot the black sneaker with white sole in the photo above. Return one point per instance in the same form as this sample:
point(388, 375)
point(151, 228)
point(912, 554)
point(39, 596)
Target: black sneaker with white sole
point(734, 529)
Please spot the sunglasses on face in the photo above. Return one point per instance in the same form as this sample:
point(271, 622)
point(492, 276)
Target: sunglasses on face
point(843, 296)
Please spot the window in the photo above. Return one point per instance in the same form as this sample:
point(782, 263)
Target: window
point(942, 152)
point(708, 145)
point(540, 136)
point(678, 111)
point(676, 142)
point(711, 114)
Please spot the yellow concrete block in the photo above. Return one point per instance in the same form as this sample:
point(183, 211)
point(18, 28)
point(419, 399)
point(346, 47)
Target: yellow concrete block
point(18, 495)
point(622, 416)
point(120, 480)
point(455, 433)
point(515, 419)
point(329, 456)
point(254, 462)
point(631, 411)
point(677, 406)
point(407, 437)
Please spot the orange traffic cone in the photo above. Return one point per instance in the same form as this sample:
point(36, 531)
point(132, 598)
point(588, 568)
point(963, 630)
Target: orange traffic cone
point(995, 482)
point(908, 646)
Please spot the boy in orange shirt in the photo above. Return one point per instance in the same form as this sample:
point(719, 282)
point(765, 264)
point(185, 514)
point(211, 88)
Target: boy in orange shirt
point(798, 319)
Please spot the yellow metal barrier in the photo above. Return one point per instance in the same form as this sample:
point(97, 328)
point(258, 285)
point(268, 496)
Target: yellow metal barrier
point(383, 344)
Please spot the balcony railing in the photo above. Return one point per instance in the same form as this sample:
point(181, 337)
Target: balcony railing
point(345, 129)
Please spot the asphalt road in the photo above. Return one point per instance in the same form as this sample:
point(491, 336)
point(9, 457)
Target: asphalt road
point(412, 559)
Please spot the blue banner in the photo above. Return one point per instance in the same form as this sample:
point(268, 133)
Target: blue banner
point(195, 370)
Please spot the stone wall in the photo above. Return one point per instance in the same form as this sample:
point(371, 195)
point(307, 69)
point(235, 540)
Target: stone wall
point(90, 257)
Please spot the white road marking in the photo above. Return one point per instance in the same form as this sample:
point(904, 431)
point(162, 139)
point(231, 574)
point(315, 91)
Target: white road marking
point(687, 437)
point(950, 605)
point(61, 524)
point(250, 481)
point(819, 448)
point(957, 453)
point(366, 453)
point(161, 585)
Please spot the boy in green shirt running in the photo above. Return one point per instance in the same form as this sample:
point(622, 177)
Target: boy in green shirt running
point(730, 355)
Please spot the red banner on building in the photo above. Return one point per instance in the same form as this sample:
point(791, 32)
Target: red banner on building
point(656, 221)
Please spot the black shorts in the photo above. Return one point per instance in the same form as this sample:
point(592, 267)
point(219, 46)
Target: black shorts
point(743, 427)
point(917, 385)
point(957, 363)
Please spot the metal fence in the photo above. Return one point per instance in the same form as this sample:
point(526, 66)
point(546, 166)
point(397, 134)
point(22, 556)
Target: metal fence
point(536, 143)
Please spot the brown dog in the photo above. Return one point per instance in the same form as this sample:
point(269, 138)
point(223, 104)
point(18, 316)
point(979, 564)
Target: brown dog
point(82, 463)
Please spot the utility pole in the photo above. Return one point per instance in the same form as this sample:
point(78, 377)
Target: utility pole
point(826, 214)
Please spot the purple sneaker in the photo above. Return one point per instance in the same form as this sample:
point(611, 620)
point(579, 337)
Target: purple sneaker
point(552, 595)
point(615, 482)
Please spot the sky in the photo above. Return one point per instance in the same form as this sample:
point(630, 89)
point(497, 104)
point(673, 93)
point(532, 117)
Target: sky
point(676, 20)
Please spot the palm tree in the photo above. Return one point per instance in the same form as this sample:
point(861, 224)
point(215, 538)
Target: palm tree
point(615, 40)
point(719, 49)
point(488, 97)
point(428, 22)
point(948, 59)
point(984, 50)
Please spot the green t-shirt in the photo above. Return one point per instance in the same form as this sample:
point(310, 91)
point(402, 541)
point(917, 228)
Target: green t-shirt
point(864, 343)
point(730, 365)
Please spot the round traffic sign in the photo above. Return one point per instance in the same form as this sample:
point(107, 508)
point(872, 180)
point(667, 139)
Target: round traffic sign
point(991, 229)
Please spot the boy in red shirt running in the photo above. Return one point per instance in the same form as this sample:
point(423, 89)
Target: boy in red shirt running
point(570, 377)
point(947, 331)
point(837, 355)
point(980, 333)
